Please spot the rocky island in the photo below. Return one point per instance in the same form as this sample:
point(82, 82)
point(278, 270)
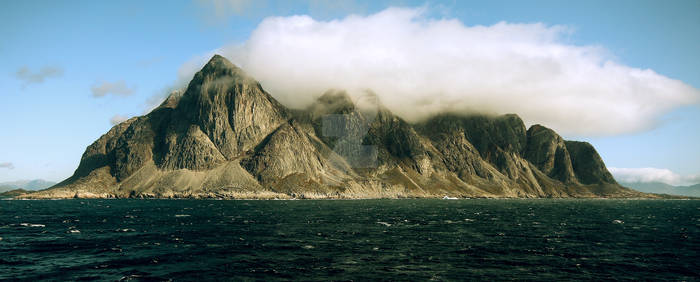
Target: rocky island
point(224, 136)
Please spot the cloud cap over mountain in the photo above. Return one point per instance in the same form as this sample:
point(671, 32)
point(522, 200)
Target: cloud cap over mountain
point(420, 66)
point(117, 88)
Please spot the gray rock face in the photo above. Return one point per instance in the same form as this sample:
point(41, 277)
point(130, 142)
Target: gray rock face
point(230, 107)
point(293, 150)
point(587, 164)
point(498, 140)
point(547, 151)
point(224, 136)
point(190, 149)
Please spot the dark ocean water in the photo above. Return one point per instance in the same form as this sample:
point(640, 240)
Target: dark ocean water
point(350, 240)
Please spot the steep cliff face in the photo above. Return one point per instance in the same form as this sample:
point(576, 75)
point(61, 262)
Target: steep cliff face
point(224, 136)
point(587, 164)
point(498, 140)
point(230, 107)
point(547, 151)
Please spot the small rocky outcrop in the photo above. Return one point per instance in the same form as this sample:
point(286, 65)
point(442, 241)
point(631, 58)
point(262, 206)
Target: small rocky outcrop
point(13, 193)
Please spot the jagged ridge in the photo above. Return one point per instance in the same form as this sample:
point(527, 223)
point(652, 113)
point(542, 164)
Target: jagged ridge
point(224, 136)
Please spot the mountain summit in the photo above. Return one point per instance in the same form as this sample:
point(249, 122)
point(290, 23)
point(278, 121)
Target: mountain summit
point(225, 137)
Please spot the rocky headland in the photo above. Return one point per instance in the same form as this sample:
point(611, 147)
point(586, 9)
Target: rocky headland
point(226, 137)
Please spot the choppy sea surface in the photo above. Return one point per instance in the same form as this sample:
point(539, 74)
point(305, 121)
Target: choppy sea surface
point(426, 239)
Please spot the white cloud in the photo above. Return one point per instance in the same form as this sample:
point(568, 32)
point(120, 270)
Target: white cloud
point(219, 11)
point(7, 165)
point(117, 119)
point(118, 88)
point(28, 76)
point(420, 66)
point(650, 174)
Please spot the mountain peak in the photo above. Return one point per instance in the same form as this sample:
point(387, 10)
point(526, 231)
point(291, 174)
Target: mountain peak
point(219, 60)
point(218, 76)
point(220, 66)
point(333, 102)
point(230, 107)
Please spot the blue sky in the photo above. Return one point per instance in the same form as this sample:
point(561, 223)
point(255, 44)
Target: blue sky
point(55, 54)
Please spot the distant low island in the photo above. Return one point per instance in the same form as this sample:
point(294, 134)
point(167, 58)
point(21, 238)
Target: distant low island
point(30, 185)
point(18, 188)
point(226, 137)
point(663, 188)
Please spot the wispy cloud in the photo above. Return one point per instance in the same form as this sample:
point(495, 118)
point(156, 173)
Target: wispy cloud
point(118, 88)
point(7, 165)
point(218, 11)
point(29, 77)
point(409, 58)
point(117, 119)
point(650, 174)
point(223, 9)
point(148, 62)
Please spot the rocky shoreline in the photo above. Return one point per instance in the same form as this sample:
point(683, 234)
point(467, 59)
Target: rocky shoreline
point(270, 195)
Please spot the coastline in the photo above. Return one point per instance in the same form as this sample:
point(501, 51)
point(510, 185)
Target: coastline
point(282, 196)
